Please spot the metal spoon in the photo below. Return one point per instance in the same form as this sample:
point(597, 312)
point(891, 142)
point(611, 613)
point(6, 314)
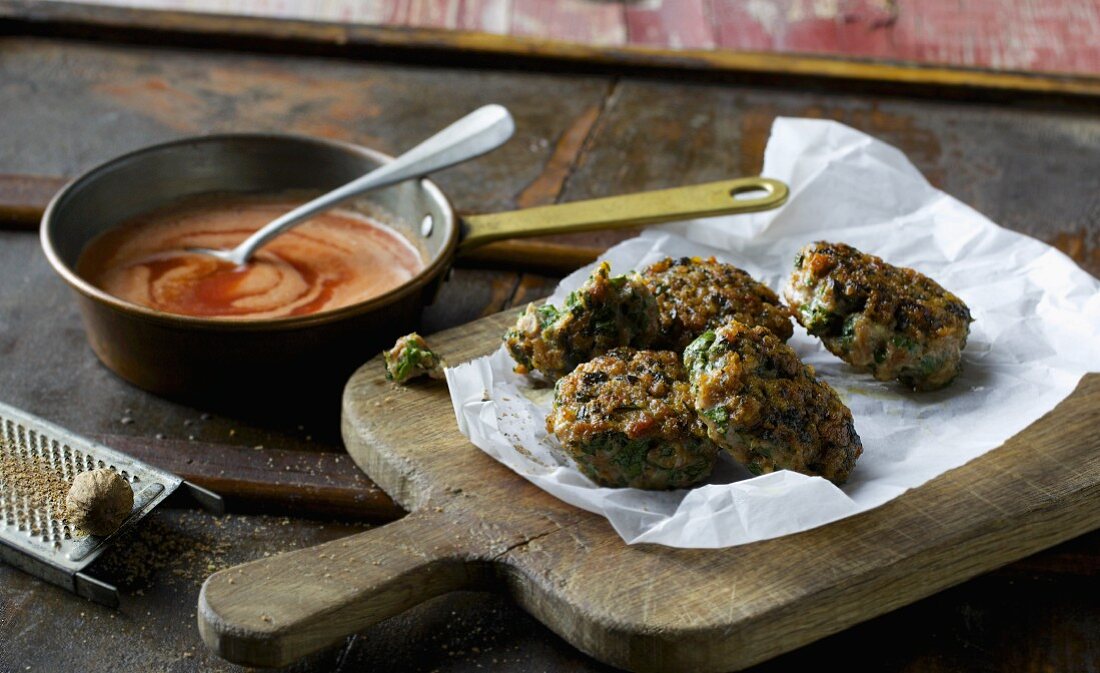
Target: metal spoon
point(475, 134)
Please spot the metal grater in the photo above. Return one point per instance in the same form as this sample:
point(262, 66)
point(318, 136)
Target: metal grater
point(34, 540)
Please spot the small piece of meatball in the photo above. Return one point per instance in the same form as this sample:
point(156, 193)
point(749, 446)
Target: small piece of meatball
point(410, 358)
point(694, 295)
point(892, 321)
point(606, 312)
point(626, 419)
point(768, 409)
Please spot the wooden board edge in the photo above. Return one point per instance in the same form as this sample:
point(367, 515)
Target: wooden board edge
point(242, 32)
point(398, 481)
point(797, 623)
point(393, 477)
point(985, 544)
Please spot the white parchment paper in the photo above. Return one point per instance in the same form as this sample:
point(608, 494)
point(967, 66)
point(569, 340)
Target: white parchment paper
point(1037, 331)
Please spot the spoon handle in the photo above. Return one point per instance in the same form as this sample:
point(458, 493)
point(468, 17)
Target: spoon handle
point(475, 134)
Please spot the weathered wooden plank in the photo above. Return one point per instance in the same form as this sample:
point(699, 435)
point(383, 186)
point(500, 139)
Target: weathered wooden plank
point(867, 28)
point(268, 480)
point(1012, 621)
point(1009, 163)
point(531, 287)
point(23, 197)
point(746, 27)
point(375, 11)
point(134, 97)
point(537, 255)
point(483, 16)
point(581, 21)
point(159, 568)
point(1008, 35)
point(1017, 35)
point(453, 48)
point(546, 188)
point(422, 13)
point(644, 607)
point(474, 15)
point(672, 24)
point(486, 16)
point(843, 28)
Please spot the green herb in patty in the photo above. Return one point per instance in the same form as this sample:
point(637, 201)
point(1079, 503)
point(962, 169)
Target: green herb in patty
point(766, 408)
point(606, 312)
point(409, 358)
point(626, 420)
point(891, 321)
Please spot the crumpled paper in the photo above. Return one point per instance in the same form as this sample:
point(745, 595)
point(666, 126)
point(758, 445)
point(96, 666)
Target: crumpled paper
point(1037, 331)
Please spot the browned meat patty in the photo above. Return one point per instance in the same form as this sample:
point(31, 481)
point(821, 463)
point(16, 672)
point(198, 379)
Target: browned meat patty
point(768, 409)
point(626, 419)
point(606, 312)
point(891, 321)
point(694, 295)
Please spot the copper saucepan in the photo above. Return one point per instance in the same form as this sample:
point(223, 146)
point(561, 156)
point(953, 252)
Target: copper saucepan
point(216, 360)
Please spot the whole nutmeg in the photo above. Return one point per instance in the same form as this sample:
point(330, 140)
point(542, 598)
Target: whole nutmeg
point(99, 501)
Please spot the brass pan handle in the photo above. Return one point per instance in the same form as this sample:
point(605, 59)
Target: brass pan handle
point(630, 210)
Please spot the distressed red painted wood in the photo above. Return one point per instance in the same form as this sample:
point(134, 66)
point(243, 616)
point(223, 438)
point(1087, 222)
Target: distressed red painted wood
point(1049, 36)
point(584, 21)
point(672, 24)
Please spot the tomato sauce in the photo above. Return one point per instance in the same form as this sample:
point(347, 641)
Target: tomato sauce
point(335, 259)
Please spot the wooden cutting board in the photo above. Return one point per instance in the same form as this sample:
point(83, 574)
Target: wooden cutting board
point(476, 524)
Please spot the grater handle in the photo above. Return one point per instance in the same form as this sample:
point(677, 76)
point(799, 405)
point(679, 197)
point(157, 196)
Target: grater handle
point(276, 610)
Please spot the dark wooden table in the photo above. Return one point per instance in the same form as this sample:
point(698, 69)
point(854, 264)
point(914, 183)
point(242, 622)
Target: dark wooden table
point(1031, 164)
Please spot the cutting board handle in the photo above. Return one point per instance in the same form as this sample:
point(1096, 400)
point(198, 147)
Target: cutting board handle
point(276, 610)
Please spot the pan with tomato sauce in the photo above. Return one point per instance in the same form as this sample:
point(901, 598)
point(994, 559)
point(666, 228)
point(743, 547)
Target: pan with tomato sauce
point(336, 259)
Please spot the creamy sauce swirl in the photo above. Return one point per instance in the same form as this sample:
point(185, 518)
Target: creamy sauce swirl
point(334, 260)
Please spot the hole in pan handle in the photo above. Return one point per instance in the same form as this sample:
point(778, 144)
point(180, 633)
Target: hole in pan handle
point(725, 197)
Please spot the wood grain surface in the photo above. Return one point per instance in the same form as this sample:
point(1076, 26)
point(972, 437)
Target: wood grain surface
point(268, 480)
point(643, 607)
point(444, 47)
point(24, 197)
point(70, 104)
point(1036, 35)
